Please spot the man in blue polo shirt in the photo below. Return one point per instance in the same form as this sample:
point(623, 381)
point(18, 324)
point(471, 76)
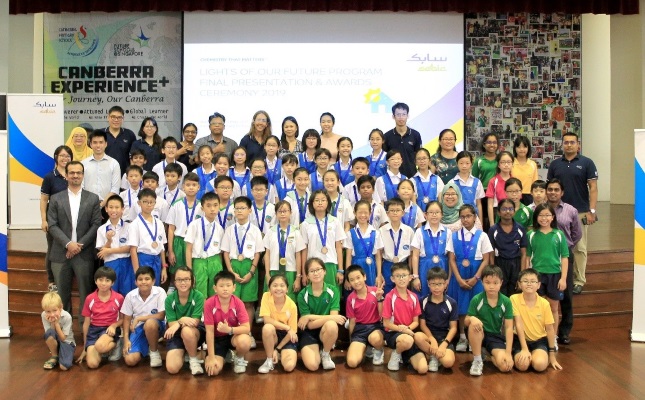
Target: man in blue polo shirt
point(119, 139)
point(403, 138)
point(579, 175)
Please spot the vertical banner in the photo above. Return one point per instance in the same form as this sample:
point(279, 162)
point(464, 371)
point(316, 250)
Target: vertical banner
point(4, 288)
point(638, 321)
point(35, 123)
point(99, 60)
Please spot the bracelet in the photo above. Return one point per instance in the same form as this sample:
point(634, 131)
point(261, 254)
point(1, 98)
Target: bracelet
point(279, 350)
point(551, 349)
point(252, 272)
point(478, 278)
point(341, 271)
point(164, 266)
point(447, 341)
point(415, 276)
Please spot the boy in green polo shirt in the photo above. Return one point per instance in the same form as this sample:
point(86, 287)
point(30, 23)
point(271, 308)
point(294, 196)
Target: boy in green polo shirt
point(490, 323)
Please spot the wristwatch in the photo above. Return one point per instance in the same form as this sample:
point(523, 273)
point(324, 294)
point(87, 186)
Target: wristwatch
point(230, 333)
point(593, 210)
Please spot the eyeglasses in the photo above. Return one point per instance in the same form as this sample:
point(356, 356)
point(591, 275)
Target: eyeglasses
point(400, 115)
point(224, 188)
point(467, 216)
point(505, 162)
point(260, 120)
point(148, 202)
point(116, 117)
point(182, 280)
point(490, 142)
point(74, 173)
point(316, 271)
point(433, 212)
point(450, 194)
point(437, 284)
point(422, 159)
point(149, 126)
point(394, 211)
point(241, 208)
point(545, 215)
point(320, 201)
point(405, 276)
point(284, 211)
point(507, 209)
point(514, 191)
point(190, 132)
point(529, 282)
point(448, 139)
point(64, 156)
point(322, 158)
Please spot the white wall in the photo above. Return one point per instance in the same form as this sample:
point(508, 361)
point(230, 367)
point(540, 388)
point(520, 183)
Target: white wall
point(596, 97)
point(4, 45)
point(626, 102)
point(21, 51)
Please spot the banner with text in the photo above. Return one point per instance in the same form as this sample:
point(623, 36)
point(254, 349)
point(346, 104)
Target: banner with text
point(35, 124)
point(99, 60)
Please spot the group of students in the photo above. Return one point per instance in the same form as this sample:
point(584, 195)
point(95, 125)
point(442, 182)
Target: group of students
point(356, 228)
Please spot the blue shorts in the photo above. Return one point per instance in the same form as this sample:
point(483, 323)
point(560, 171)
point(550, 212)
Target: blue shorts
point(139, 342)
point(540, 344)
point(124, 282)
point(308, 337)
point(549, 286)
point(440, 336)
point(390, 339)
point(223, 345)
point(363, 331)
point(65, 350)
point(290, 345)
point(177, 343)
point(95, 332)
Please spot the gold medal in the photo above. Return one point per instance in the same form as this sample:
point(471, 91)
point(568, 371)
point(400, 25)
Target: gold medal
point(395, 259)
point(435, 259)
point(465, 263)
point(324, 250)
point(240, 257)
point(155, 245)
point(426, 200)
point(368, 261)
point(283, 261)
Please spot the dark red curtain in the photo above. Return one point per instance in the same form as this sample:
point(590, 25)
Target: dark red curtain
point(464, 6)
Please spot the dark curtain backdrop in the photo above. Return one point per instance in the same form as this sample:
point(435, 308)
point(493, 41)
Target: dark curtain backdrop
point(465, 6)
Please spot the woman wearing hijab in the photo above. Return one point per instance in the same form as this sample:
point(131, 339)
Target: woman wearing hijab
point(77, 141)
point(451, 201)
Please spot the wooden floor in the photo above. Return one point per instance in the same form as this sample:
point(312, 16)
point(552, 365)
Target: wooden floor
point(601, 364)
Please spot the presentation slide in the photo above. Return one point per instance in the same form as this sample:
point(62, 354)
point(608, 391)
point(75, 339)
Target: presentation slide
point(357, 82)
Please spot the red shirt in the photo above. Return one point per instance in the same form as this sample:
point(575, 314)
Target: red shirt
point(364, 310)
point(496, 190)
point(235, 316)
point(399, 311)
point(102, 313)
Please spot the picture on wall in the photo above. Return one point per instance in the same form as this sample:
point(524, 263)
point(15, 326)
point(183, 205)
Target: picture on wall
point(523, 77)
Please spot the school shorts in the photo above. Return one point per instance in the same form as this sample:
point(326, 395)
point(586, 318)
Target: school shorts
point(205, 270)
point(139, 342)
point(390, 340)
point(95, 332)
point(247, 292)
point(308, 336)
point(179, 248)
point(124, 282)
point(540, 344)
point(363, 331)
point(290, 345)
point(223, 345)
point(549, 286)
point(65, 350)
point(177, 343)
point(440, 336)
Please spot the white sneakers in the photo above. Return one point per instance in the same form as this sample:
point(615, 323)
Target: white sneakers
point(462, 345)
point(378, 356)
point(433, 365)
point(266, 367)
point(155, 359)
point(117, 351)
point(477, 368)
point(395, 361)
point(326, 360)
point(239, 364)
point(195, 367)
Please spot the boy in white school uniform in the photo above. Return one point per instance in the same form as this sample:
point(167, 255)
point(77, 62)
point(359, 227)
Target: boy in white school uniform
point(134, 175)
point(169, 147)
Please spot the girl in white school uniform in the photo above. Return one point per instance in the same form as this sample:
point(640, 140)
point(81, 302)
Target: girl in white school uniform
point(429, 247)
point(284, 245)
point(386, 184)
point(341, 208)
point(299, 197)
point(323, 235)
point(363, 244)
point(427, 186)
point(413, 214)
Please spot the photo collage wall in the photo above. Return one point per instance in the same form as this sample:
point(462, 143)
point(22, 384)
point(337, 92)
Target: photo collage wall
point(523, 77)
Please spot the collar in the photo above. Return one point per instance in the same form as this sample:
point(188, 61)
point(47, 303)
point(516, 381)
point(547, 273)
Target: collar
point(472, 231)
point(576, 157)
point(395, 175)
point(238, 225)
point(428, 228)
point(69, 191)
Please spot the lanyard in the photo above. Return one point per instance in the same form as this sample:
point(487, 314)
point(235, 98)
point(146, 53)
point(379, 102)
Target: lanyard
point(170, 191)
point(219, 217)
point(434, 241)
point(153, 237)
point(323, 239)
point(257, 218)
point(240, 247)
point(189, 218)
point(369, 248)
point(397, 243)
point(411, 216)
point(206, 244)
point(282, 246)
point(466, 247)
point(109, 227)
point(301, 205)
point(334, 210)
point(343, 173)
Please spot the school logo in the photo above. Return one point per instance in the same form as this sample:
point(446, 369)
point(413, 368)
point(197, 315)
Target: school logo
point(441, 241)
point(142, 39)
point(159, 238)
point(268, 218)
point(84, 41)
point(154, 311)
point(406, 247)
point(215, 244)
point(229, 217)
point(123, 240)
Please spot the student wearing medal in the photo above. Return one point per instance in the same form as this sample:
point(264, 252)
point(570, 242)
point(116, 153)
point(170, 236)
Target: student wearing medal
point(396, 238)
point(284, 244)
point(299, 197)
point(429, 248)
point(146, 238)
point(469, 252)
point(323, 235)
point(363, 244)
point(341, 208)
point(427, 185)
point(241, 249)
point(412, 213)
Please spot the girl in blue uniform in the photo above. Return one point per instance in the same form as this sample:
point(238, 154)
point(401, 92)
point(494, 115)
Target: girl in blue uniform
point(344, 164)
point(206, 171)
point(378, 167)
point(426, 184)
point(429, 248)
point(310, 142)
point(364, 243)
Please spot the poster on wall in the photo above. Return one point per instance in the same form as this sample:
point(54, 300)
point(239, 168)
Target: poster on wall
point(98, 60)
point(638, 321)
point(31, 152)
point(523, 77)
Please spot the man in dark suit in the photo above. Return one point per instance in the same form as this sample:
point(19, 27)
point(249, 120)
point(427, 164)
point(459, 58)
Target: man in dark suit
point(74, 216)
